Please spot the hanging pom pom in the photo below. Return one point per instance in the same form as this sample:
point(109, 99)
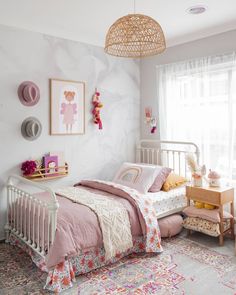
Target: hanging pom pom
point(97, 105)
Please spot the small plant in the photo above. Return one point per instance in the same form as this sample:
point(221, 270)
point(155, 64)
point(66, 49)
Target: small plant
point(198, 172)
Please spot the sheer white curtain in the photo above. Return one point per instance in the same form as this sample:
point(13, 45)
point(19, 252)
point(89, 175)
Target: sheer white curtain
point(197, 102)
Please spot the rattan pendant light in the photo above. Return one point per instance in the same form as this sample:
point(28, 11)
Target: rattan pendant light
point(135, 35)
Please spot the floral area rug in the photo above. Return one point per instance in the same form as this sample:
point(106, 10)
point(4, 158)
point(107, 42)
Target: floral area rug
point(18, 274)
point(185, 267)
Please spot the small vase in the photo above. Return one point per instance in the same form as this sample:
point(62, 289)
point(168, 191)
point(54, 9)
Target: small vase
point(197, 181)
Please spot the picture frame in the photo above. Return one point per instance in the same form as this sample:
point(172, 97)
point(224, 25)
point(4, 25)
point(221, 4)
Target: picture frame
point(67, 107)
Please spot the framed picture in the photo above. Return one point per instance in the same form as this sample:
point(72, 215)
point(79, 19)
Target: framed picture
point(51, 165)
point(67, 107)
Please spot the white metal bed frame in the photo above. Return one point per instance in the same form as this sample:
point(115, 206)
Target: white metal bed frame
point(20, 202)
point(171, 154)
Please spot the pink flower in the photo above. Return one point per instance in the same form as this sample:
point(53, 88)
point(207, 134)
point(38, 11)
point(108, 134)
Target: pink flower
point(102, 258)
point(152, 239)
point(196, 176)
point(141, 246)
point(90, 264)
point(66, 281)
point(28, 167)
point(60, 266)
point(82, 261)
point(118, 255)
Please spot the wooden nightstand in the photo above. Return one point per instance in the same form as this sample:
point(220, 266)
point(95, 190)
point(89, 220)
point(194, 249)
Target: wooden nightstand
point(218, 196)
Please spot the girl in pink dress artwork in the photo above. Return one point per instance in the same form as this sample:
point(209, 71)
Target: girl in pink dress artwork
point(68, 110)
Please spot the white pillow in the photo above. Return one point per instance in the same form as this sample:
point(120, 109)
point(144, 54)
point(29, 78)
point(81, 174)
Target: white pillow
point(137, 176)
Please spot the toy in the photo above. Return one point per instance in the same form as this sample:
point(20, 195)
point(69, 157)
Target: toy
point(153, 125)
point(97, 105)
point(150, 120)
point(213, 178)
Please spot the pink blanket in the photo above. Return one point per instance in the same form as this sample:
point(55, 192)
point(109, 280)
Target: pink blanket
point(78, 228)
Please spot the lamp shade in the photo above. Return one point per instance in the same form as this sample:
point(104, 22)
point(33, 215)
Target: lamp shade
point(135, 35)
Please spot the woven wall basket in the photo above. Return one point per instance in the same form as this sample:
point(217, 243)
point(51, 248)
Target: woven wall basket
point(135, 35)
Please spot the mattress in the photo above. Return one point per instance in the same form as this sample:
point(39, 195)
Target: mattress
point(166, 203)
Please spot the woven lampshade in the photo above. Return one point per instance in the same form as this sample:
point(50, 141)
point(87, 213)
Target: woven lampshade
point(135, 35)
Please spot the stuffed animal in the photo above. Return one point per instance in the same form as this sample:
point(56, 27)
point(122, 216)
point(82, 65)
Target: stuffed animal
point(97, 105)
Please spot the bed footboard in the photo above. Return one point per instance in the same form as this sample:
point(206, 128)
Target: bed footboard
point(30, 218)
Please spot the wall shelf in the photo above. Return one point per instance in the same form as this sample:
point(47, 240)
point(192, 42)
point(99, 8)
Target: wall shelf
point(44, 174)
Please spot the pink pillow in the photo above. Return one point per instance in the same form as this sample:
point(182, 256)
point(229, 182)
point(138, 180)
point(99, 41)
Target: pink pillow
point(210, 215)
point(160, 179)
point(137, 176)
point(170, 225)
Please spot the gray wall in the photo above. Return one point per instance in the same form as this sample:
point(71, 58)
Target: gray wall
point(218, 44)
point(32, 56)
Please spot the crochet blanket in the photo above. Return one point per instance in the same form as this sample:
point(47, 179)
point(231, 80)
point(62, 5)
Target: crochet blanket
point(112, 215)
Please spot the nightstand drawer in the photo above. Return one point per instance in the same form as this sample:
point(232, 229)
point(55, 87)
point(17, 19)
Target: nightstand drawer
point(202, 195)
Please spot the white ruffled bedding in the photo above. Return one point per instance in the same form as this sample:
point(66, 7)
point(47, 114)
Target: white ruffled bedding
point(168, 202)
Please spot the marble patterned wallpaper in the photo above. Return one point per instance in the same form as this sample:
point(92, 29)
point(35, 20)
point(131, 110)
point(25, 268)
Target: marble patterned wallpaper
point(32, 56)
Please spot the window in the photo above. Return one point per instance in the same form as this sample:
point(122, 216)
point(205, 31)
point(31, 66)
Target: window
point(197, 102)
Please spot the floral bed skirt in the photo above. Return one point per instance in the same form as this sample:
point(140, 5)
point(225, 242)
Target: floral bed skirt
point(63, 275)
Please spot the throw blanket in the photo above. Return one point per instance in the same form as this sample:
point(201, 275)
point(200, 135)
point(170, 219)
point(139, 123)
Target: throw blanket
point(112, 215)
point(78, 228)
point(145, 210)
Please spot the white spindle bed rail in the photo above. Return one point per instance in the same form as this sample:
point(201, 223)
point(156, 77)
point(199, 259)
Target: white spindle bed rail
point(32, 220)
point(167, 153)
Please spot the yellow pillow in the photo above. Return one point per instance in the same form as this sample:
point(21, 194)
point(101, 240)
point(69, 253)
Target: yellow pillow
point(199, 205)
point(173, 181)
point(209, 207)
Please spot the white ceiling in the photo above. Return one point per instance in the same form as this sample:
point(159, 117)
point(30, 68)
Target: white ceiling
point(89, 20)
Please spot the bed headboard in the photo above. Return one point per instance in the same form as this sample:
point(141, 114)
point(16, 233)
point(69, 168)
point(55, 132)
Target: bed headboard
point(171, 154)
